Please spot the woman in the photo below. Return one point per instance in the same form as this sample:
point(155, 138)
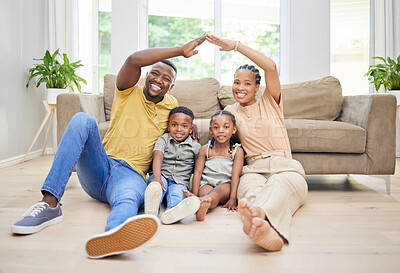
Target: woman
point(272, 185)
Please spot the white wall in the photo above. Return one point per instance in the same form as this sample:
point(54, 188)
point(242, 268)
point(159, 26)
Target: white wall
point(309, 40)
point(21, 110)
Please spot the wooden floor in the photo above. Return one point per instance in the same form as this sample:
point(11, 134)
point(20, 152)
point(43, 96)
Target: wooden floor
point(345, 226)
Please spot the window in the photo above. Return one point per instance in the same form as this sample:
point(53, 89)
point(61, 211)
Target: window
point(104, 41)
point(174, 23)
point(260, 31)
point(94, 43)
point(350, 30)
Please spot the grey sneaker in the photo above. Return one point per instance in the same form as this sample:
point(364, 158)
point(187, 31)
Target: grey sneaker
point(133, 233)
point(37, 218)
point(185, 208)
point(152, 198)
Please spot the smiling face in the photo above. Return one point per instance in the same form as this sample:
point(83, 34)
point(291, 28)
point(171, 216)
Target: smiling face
point(244, 87)
point(159, 80)
point(222, 128)
point(180, 126)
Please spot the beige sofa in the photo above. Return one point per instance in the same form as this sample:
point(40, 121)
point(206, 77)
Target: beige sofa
point(329, 133)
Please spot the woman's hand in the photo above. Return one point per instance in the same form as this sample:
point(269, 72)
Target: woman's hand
point(189, 49)
point(224, 44)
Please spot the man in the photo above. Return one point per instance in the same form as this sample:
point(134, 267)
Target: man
point(114, 171)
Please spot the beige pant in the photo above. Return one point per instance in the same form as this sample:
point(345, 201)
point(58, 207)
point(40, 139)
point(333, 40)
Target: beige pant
point(275, 182)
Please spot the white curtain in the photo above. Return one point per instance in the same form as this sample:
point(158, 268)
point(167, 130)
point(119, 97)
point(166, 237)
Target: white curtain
point(62, 31)
point(385, 29)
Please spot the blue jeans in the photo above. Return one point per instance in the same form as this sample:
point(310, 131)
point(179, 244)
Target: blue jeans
point(173, 192)
point(102, 177)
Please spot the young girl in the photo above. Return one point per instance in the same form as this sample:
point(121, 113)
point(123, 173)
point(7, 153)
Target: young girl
point(218, 166)
point(272, 185)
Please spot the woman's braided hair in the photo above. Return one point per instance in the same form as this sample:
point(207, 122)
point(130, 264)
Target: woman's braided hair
point(253, 69)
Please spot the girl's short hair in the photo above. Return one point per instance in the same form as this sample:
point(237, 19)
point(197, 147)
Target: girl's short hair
point(253, 69)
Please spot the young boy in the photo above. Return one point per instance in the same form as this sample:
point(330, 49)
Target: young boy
point(174, 155)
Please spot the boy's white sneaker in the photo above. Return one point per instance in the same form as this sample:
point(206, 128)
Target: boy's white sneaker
point(152, 198)
point(185, 208)
point(133, 233)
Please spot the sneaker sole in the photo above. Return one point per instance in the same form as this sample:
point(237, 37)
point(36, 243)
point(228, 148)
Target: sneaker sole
point(152, 198)
point(187, 207)
point(34, 229)
point(133, 233)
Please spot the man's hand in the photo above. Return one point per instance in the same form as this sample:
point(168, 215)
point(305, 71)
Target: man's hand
point(189, 49)
point(195, 133)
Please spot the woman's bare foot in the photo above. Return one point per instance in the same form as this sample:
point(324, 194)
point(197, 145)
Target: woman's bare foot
point(262, 234)
point(187, 193)
point(249, 212)
point(205, 203)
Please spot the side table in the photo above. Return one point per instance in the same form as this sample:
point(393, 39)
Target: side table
point(50, 109)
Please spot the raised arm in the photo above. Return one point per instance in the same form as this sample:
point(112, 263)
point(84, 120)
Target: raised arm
point(130, 71)
point(272, 82)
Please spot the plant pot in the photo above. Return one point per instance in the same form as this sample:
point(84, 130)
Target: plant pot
point(52, 94)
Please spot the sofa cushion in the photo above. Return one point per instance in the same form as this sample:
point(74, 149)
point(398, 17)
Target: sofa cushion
point(108, 91)
point(103, 127)
point(200, 95)
point(203, 125)
point(325, 136)
point(319, 99)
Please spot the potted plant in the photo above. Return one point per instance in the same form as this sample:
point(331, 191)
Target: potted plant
point(57, 77)
point(387, 75)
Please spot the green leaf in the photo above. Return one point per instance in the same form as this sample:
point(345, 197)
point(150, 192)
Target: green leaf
point(51, 72)
point(386, 73)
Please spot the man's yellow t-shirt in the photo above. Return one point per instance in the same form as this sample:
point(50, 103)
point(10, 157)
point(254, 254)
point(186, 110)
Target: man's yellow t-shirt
point(136, 124)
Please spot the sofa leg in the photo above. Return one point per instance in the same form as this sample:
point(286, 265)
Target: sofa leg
point(386, 178)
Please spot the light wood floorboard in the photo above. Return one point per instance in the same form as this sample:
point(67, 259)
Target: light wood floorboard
point(345, 226)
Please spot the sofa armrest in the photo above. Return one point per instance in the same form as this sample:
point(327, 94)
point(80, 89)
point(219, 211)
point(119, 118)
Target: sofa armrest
point(69, 104)
point(375, 113)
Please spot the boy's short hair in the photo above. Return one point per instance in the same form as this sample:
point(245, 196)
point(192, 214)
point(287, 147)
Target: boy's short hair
point(183, 110)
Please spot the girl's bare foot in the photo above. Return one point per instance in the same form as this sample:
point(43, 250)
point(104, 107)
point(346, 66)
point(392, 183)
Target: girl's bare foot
point(264, 235)
point(187, 193)
point(249, 212)
point(205, 203)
